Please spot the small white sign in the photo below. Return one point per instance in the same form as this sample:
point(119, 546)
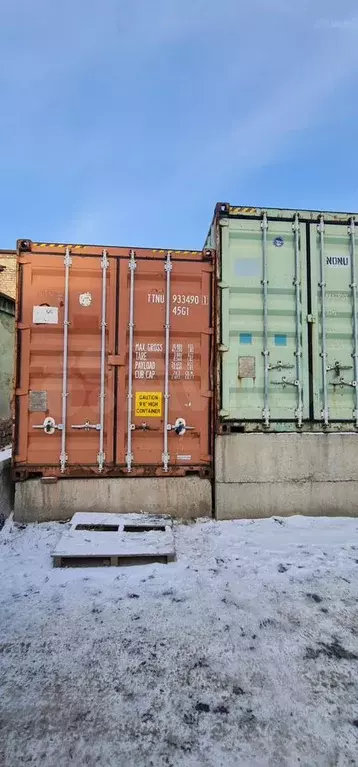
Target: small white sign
point(45, 315)
point(85, 299)
point(184, 457)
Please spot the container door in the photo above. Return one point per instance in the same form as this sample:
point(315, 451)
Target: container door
point(164, 391)
point(64, 394)
point(334, 305)
point(264, 311)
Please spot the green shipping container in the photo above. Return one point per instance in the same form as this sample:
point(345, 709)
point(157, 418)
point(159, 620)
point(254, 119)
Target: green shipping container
point(287, 318)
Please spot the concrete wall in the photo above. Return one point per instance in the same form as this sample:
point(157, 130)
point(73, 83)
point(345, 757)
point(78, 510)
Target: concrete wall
point(6, 490)
point(182, 497)
point(260, 475)
point(257, 475)
point(7, 341)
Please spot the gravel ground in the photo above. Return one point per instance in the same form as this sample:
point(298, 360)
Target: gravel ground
point(243, 653)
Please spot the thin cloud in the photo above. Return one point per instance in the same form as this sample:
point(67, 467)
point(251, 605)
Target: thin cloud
point(258, 137)
point(351, 24)
point(133, 110)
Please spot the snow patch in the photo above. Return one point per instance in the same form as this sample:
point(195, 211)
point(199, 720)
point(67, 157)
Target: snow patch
point(242, 652)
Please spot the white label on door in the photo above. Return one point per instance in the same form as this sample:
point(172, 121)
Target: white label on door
point(338, 261)
point(183, 457)
point(85, 299)
point(45, 315)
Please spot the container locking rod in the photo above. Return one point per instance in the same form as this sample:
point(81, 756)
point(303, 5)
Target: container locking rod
point(168, 268)
point(129, 456)
point(63, 454)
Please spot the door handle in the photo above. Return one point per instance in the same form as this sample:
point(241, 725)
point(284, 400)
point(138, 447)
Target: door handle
point(49, 425)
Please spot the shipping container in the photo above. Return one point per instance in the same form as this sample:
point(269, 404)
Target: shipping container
point(114, 360)
point(287, 319)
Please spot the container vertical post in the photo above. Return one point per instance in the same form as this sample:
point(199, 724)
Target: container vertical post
point(132, 267)
point(101, 455)
point(322, 286)
point(351, 231)
point(298, 352)
point(168, 268)
point(63, 454)
point(266, 353)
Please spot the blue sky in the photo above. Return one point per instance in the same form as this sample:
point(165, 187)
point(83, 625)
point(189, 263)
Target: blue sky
point(123, 122)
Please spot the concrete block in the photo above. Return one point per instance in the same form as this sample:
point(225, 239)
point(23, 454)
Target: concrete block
point(266, 499)
point(181, 497)
point(286, 457)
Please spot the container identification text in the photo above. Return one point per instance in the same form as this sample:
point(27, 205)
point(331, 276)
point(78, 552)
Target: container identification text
point(184, 301)
point(144, 367)
point(177, 366)
point(337, 261)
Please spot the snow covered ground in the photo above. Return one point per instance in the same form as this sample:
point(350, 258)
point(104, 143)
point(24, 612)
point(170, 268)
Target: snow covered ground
point(243, 653)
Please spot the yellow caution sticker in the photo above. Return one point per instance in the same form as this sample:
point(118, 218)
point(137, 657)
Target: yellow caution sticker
point(148, 404)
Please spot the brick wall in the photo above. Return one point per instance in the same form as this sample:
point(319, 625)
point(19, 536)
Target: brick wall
point(8, 273)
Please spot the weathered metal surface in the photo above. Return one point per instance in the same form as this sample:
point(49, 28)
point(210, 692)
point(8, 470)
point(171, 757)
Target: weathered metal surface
point(263, 311)
point(334, 308)
point(287, 295)
point(38, 401)
point(114, 365)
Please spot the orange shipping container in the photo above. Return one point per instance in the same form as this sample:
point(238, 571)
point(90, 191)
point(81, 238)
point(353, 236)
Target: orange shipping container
point(114, 358)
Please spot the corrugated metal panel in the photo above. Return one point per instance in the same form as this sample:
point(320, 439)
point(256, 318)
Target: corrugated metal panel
point(43, 390)
point(306, 216)
point(334, 304)
point(263, 314)
point(189, 344)
point(48, 248)
point(114, 361)
point(288, 313)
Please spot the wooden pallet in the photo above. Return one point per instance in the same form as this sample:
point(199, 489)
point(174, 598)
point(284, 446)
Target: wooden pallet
point(115, 540)
point(67, 561)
